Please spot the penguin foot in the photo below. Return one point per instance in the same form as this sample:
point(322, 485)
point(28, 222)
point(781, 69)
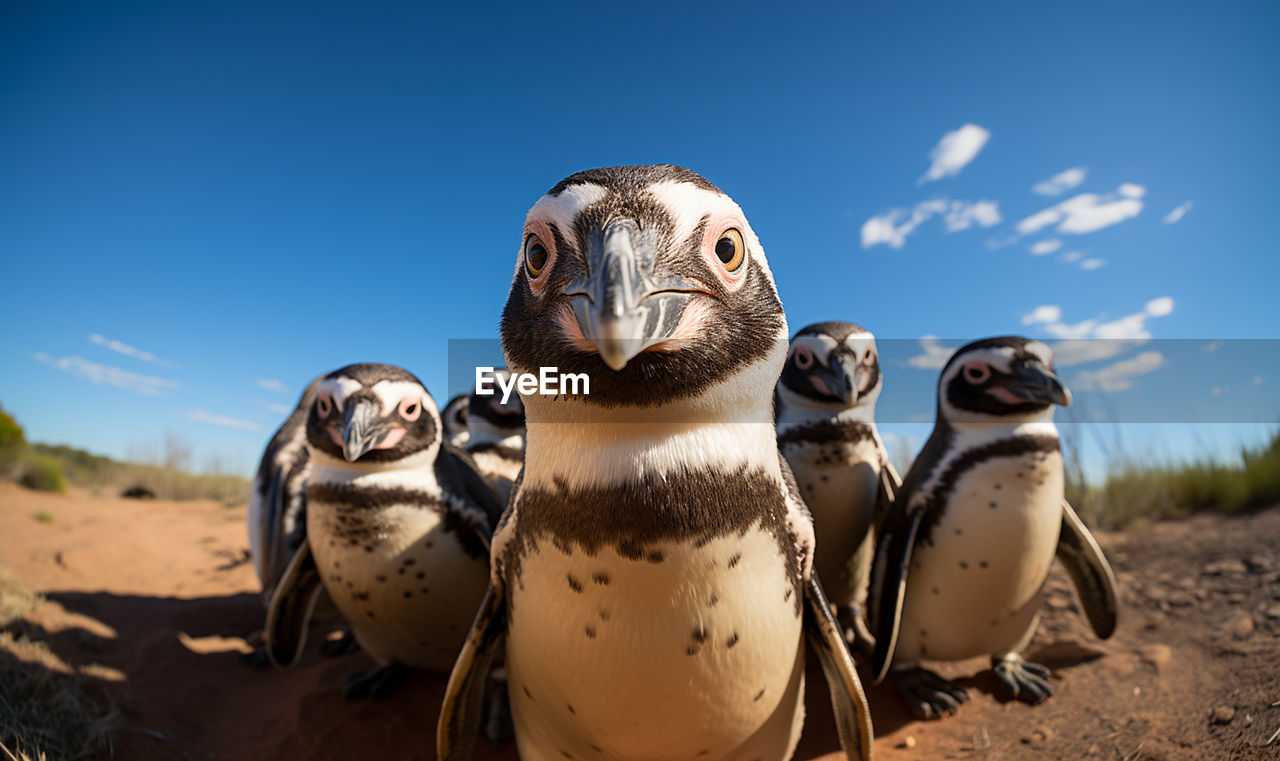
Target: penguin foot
point(1028, 682)
point(376, 683)
point(344, 645)
point(928, 695)
point(257, 658)
point(853, 626)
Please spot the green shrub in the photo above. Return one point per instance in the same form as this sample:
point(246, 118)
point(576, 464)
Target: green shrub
point(42, 474)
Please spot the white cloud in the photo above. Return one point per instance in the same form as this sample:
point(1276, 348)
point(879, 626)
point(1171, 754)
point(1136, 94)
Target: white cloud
point(271, 384)
point(1072, 256)
point(1161, 307)
point(1135, 325)
point(1120, 375)
point(1079, 351)
point(954, 151)
point(1060, 182)
point(1043, 314)
point(1048, 246)
point(127, 350)
point(1085, 213)
point(1178, 213)
point(279, 409)
point(202, 416)
point(895, 225)
point(1131, 190)
point(934, 356)
point(106, 375)
point(1093, 264)
point(1212, 346)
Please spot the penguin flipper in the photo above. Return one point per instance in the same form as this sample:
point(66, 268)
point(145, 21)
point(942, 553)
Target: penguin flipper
point(890, 485)
point(894, 544)
point(292, 602)
point(853, 716)
point(1090, 572)
point(463, 707)
point(271, 530)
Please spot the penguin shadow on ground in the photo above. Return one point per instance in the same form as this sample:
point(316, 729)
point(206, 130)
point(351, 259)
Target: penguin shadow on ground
point(186, 690)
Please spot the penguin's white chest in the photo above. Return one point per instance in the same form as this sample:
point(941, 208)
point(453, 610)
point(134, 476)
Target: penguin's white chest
point(974, 588)
point(407, 586)
point(685, 652)
point(839, 482)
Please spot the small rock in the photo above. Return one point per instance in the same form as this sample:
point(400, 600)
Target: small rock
point(1157, 655)
point(1223, 714)
point(1273, 611)
point(1036, 736)
point(1259, 564)
point(1226, 567)
point(1240, 625)
point(908, 742)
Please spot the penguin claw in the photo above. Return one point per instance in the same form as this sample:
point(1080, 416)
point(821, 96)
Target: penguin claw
point(376, 683)
point(928, 695)
point(257, 658)
point(1028, 682)
point(344, 645)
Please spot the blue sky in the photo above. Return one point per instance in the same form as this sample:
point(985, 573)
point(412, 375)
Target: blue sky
point(235, 197)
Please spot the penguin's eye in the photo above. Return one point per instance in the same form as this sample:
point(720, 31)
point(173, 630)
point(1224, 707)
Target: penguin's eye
point(535, 256)
point(804, 357)
point(730, 249)
point(870, 358)
point(410, 409)
point(324, 405)
point(976, 372)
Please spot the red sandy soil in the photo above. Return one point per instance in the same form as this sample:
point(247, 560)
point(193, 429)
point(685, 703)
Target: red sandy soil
point(155, 596)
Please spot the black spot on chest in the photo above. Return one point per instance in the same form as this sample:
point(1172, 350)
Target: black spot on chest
point(359, 514)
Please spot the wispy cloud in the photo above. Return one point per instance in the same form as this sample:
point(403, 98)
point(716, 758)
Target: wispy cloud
point(1060, 182)
point(1131, 190)
point(1048, 246)
point(1085, 213)
point(954, 151)
point(1093, 264)
point(933, 354)
point(1081, 342)
point(106, 375)
point(1178, 213)
point(203, 416)
point(129, 351)
point(279, 409)
point(893, 227)
point(1120, 375)
point(1212, 346)
point(271, 384)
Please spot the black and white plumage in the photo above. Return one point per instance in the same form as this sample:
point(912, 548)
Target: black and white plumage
point(652, 575)
point(495, 437)
point(454, 418)
point(397, 525)
point(278, 498)
point(962, 559)
point(826, 402)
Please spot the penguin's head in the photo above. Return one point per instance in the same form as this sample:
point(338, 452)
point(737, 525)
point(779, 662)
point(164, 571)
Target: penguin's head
point(649, 280)
point(373, 415)
point(489, 415)
point(1009, 379)
point(831, 366)
point(454, 417)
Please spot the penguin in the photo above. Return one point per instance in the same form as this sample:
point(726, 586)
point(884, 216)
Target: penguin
point(962, 558)
point(398, 528)
point(652, 582)
point(454, 416)
point(826, 403)
point(496, 437)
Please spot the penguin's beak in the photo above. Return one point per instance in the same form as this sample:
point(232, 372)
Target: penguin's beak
point(621, 305)
point(1036, 383)
point(362, 431)
point(841, 379)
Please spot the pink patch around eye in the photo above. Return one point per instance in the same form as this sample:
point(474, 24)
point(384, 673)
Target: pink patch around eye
point(715, 228)
point(804, 358)
point(411, 409)
point(976, 372)
point(392, 439)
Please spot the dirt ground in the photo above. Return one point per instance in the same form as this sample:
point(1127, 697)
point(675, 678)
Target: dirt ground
point(152, 596)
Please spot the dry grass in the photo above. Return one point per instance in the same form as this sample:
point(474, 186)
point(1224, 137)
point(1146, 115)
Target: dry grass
point(47, 711)
point(166, 478)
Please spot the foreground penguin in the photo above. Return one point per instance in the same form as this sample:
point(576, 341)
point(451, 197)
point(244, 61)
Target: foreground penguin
point(495, 437)
point(961, 561)
point(652, 576)
point(397, 528)
point(826, 408)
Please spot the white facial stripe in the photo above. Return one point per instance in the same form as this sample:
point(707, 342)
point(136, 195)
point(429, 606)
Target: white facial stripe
point(687, 204)
point(860, 342)
point(390, 393)
point(561, 210)
point(339, 389)
point(1042, 351)
point(1001, 358)
point(821, 345)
